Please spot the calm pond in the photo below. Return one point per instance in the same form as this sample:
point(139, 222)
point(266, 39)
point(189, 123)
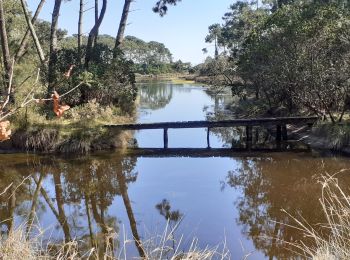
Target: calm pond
point(110, 197)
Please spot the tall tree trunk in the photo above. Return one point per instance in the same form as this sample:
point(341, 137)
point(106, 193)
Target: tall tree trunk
point(100, 220)
point(47, 198)
point(124, 192)
point(5, 46)
point(60, 206)
point(93, 34)
point(60, 215)
point(33, 207)
point(274, 239)
point(53, 45)
point(216, 49)
point(11, 208)
point(122, 24)
point(96, 19)
point(32, 31)
point(24, 43)
point(88, 214)
point(80, 29)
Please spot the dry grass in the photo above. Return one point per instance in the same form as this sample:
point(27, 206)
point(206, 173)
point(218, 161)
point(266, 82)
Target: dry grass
point(336, 207)
point(164, 246)
point(15, 246)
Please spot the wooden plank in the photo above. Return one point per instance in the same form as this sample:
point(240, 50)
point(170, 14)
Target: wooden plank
point(223, 123)
point(257, 135)
point(278, 133)
point(249, 136)
point(165, 136)
point(208, 137)
point(248, 133)
point(284, 133)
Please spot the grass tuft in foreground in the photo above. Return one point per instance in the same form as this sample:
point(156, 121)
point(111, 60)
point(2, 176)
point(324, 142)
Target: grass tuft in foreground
point(336, 207)
point(16, 246)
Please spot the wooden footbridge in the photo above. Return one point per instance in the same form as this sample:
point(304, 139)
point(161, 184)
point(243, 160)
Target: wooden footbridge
point(279, 122)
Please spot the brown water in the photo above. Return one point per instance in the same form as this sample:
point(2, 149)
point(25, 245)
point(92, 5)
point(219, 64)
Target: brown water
point(107, 198)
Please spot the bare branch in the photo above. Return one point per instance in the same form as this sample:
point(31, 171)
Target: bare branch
point(9, 88)
point(27, 101)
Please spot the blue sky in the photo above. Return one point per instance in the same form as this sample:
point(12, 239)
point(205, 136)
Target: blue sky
point(182, 30)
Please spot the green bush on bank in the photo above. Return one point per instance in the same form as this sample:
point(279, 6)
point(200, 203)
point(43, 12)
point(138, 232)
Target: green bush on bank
point(106, 95)
point(80, 130)
point(336, 135)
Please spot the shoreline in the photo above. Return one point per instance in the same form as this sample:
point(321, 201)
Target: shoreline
point(306, 136)
point(121, 141)
point(38, 142)
point(39, 139)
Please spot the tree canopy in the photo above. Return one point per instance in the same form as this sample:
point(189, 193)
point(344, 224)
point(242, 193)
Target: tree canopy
point(291, 54)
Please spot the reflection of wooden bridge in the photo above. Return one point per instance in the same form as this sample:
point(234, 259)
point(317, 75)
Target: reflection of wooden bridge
point(279, 122)
point(208, 153)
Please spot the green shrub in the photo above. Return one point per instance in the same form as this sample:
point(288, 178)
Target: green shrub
point(92, 111)
point(109, 79)
point(337, 135)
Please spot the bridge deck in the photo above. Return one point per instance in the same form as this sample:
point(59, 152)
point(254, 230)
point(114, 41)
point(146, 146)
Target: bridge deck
point(279, 122)
point(222, 123)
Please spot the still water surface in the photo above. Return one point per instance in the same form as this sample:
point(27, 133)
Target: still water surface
point(105, 197)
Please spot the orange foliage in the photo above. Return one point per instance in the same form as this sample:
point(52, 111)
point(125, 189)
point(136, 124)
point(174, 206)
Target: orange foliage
point(57, 108)
point(4, 133)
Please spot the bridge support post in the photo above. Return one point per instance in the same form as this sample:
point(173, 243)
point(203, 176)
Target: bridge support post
point(249, 136)
point(208, 137)
point(165, 137)
point(278, 133)
point(284, 133)
point(257, 135)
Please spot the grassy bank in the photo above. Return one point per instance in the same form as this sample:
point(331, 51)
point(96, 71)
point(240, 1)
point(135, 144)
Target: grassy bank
point(151, 77)
point(80, 130)
point(324, 136)
point(335, 136)
point(198, 79)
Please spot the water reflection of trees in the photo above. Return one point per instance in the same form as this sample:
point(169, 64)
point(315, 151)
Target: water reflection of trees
point(79, 199)
point(235, 136)
point(229, 136)
point(14, 190)
point(155, 96)
point(173, 218)
point(164, 209)
point(271, 184)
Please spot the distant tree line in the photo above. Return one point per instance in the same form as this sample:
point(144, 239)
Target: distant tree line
point(147, 57)
point(151, 57)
